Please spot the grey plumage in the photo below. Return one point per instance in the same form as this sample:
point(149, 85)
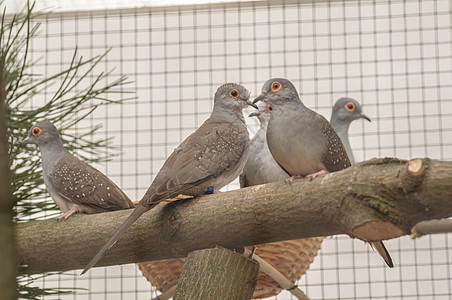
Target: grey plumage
point(74, 185)
point(261, 167)
point(345, 111)
point(212, 156)
point(302, 141)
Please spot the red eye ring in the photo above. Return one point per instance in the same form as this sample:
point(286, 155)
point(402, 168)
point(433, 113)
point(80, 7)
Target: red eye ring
point(234, 93)
point(350, 106)
point(276, 86)
point(36, 131)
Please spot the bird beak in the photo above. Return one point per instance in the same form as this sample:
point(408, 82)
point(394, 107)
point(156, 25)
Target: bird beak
point(261, 97)
point(251, 104)
point(366, 117)
point(24, 142)
point(254, 114)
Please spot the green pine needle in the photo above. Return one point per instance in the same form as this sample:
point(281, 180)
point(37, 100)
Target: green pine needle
point(72, 101)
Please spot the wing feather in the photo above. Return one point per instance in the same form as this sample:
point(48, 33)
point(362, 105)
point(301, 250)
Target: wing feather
point(213, 149)
point(335, 157)
point(82, 184)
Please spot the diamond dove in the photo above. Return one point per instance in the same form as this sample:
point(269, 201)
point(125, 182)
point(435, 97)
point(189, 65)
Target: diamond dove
point(345, 111)
point(302, 141)
point(208, 159)
point(261, 167)
point(75, 186)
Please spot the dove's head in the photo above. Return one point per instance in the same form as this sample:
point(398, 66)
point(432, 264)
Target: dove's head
point(232, 96)
point(347, 110)
point(277, 92)
point(42, 134)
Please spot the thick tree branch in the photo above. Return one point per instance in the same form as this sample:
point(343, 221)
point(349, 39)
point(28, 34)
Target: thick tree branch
point(374, 200)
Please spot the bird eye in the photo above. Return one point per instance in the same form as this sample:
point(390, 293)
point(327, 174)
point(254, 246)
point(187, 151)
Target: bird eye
point(269, 108)
point(234, 93)
point(276, 86)
point(36, 131)
point(350, 106)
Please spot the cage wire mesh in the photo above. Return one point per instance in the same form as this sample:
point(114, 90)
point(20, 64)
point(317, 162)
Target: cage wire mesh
point(395, 57)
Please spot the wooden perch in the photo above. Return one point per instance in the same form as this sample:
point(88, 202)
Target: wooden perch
point(431, 227)
point(217, 274)
point(374, 200)
point(265, 267)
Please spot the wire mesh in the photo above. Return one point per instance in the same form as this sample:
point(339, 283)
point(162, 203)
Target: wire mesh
point(395, 57)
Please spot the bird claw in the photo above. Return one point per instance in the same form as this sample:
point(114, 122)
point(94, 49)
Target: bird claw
point(315, 175)
point(292, 178)
point(310, 176)
point(66, 215)
point(60, 218)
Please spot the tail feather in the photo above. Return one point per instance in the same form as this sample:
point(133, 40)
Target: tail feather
point(381, 249)
point(139, 210)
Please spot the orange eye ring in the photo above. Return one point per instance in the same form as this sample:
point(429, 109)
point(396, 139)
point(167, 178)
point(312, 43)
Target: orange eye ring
point(234, 93)
point(269, 108)
point(36, 131)
point(276, 86)
point(350, 106)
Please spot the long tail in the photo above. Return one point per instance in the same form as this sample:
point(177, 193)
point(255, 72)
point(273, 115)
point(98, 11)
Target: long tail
point(381, 249)
point(139, 210)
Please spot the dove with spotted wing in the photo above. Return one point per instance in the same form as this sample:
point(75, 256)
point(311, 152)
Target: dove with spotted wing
point(302, 141)
point(75, 186)
point(210, 158)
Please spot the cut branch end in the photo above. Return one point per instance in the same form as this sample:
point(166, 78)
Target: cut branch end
point(415, 166)
point(414, 174)
point(376, 230)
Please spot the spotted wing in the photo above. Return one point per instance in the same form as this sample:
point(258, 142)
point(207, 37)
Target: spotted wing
point(335, 157)
point(82, 184)
point(216, 147)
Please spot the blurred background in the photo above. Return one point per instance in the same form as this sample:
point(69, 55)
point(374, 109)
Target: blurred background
point(395, 57)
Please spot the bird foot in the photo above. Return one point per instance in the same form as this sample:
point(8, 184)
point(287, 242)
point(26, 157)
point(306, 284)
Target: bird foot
point(66, 215)
point(315, 175)
point(292, 178)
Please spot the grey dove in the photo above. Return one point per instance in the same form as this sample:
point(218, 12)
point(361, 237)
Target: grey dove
point(302, 141)
point(208, 159)
point(345, 111)
point(261, 167)
point(75, 186)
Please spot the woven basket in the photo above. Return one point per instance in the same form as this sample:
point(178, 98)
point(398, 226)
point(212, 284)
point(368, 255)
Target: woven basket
point(291, 258)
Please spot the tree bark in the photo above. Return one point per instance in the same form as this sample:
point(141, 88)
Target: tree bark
point(217, 274)
point(374, 200)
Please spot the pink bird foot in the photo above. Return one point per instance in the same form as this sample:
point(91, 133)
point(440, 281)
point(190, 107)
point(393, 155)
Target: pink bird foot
point(315, 175)
point(67, 214)
point(292, 178)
